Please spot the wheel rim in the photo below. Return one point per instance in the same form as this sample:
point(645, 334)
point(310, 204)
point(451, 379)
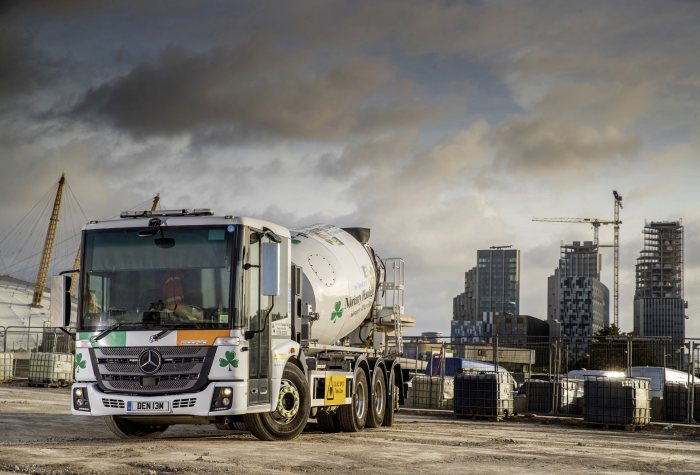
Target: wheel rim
point(288, 402)
point(359, 400)
point(378, 397)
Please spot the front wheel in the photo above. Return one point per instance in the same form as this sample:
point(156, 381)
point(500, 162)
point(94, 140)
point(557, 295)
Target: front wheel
point(130, 429)
point(291, 413)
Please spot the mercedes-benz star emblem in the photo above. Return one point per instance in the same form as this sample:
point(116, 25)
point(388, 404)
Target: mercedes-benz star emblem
point(150, 361)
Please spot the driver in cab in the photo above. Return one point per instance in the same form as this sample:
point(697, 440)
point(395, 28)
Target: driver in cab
point(174, 297)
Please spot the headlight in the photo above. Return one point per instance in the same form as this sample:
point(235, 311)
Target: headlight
point(221, 400)
point(80, 399)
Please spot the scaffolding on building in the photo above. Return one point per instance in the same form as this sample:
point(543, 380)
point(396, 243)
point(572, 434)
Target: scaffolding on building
point(659, 268)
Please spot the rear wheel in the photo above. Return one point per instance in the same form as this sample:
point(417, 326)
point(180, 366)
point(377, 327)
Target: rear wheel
point(130, 429)
point(291, 413)
point(352, 417)
point(392, 402)
point(377, 406)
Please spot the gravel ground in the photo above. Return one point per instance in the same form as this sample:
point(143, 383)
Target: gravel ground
point(38, 435)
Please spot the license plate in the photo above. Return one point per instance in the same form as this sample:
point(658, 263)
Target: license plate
point(148, 406)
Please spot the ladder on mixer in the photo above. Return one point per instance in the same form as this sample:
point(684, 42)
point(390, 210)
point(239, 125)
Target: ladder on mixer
point(392, 303)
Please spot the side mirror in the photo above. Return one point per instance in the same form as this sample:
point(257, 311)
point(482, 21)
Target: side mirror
point(270, 269)
point(60, 303)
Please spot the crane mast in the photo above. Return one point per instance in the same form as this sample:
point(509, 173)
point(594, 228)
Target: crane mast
point(616, 249)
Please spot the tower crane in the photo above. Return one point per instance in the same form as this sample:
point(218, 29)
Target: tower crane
point(596, 224)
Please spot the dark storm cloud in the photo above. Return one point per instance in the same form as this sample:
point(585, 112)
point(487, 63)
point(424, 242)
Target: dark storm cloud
point(437, 124)
point(22, 69)
point(254, 88)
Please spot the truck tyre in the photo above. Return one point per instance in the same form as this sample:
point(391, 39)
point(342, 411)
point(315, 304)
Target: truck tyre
point(240, 426)
point(291, 413)
point(378, 399)
point(129, 429)
point(391, 403)
point(352, 417)
point(328, 422)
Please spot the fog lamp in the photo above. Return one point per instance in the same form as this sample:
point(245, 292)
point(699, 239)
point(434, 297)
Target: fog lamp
point(221, 400)
point(80, 399)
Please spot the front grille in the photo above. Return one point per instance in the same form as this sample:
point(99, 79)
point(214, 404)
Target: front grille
point(166, 368)
point(113, 403)
point(182, 403)
point(184, 368)
point(136, 351)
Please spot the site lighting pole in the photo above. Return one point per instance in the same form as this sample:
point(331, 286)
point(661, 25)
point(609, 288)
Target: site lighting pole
point(29, 330)
point(557, 363)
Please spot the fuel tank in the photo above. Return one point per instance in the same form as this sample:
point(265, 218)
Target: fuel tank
point(340, 279)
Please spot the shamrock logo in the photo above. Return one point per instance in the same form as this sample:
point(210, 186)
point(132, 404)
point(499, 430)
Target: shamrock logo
point(229, 361)
point(338, 312)
point(80, 363)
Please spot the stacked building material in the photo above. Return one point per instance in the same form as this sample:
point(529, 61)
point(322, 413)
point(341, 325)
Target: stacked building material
point(50, 369)
point(483, 395)
point(431, 392)
point(541, 396)
point(676, 402)
point(617, 401)
point(6, 365)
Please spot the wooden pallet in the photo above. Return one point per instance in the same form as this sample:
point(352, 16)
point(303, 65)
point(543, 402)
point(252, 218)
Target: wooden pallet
point(625, 427)
point(482, 417)
point(46, 384)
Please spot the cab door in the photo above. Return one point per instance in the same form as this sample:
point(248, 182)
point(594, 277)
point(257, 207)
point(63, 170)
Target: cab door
point(257, 307)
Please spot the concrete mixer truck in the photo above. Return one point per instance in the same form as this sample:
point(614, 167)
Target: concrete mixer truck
point(184, 317)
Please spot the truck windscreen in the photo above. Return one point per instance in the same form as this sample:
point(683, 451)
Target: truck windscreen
point(139, 280)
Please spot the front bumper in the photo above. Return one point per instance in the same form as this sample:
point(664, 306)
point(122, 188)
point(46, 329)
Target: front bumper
point(182, 404)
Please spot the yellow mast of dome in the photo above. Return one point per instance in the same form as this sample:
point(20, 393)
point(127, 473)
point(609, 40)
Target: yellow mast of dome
point(48, 246)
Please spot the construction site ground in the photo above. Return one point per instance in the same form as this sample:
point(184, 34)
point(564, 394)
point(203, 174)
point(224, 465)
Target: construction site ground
point(38, 435)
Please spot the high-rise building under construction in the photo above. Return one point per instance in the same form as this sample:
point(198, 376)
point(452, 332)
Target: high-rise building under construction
point(659, 305)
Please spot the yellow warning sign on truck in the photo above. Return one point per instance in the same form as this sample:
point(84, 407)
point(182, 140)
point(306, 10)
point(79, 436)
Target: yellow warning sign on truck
point(335, 390)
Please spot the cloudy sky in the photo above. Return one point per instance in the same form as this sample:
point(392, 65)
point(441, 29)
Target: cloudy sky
point(443, 126)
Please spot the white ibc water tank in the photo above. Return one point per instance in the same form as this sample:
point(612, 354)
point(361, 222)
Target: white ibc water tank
point(6, 363)
point(340, 280)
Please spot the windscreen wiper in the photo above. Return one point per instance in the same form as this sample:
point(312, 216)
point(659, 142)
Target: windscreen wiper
point(162, 333)
point(109, 330)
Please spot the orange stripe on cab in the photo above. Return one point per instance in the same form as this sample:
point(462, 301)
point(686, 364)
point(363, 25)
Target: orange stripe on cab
point(199, 337)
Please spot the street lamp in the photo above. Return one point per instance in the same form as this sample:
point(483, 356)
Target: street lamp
point(29, 330)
